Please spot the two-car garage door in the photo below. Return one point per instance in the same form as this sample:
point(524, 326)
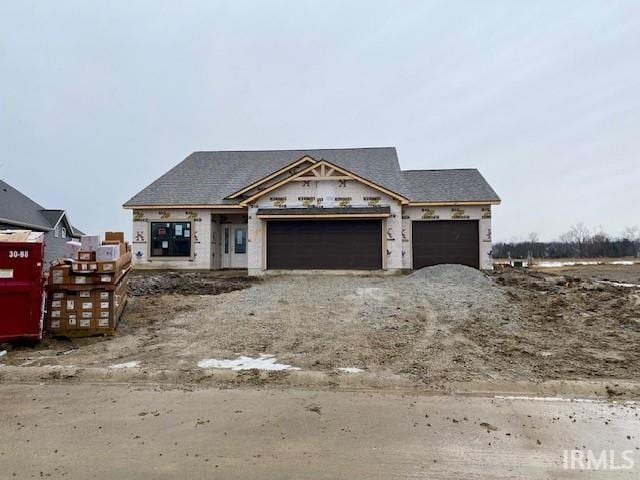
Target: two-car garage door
point(324, 244)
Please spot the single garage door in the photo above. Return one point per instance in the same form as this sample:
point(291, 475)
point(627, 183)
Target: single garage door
point(323, 244)
point(445, 241)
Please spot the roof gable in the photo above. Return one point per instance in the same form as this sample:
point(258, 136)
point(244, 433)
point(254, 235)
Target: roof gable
point(324, 170)
point(17, 208)
point(209, 178)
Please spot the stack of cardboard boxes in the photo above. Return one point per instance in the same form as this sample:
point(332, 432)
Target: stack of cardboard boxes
point(87, 290)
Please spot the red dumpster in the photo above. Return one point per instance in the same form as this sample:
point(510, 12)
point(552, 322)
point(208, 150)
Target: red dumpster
point(21, 285)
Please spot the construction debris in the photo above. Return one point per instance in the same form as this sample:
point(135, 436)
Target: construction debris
point(87, 292)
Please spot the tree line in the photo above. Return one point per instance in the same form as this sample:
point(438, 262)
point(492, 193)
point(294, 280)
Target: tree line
point(578, 242)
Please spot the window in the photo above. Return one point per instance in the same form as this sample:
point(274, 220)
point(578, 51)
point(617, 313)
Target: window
point(56, 232)
point(240, 240)
point(226, 240)
point(63, 232)
point(170, 239)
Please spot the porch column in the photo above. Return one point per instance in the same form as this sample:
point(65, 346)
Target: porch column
point(256, 262)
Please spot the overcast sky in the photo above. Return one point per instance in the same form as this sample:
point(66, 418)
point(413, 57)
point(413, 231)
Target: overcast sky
point(98, 99)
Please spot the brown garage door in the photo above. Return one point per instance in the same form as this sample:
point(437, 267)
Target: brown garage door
point(446, 241)
point(323, 244)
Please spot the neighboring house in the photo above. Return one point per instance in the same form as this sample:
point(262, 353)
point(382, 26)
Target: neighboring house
point(349, 209)
point(19, 212)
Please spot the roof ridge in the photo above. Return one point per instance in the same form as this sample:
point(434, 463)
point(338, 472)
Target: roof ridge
point(293, 150)
point(437, 169)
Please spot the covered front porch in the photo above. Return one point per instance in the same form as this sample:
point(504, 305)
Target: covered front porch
point(229, 241)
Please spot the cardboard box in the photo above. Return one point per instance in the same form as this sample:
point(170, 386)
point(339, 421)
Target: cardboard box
point(71, 249)
point(86, 256)
point(91, 309)
point(119, 236)
point(70, 305)
point(60, 274)
point(90, 243)
point(84, 267)
point(108, 253)
point(105, 278)
point(121, 245)
point(116, 266)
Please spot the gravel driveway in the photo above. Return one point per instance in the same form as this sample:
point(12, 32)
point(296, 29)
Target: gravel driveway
point(438, 325)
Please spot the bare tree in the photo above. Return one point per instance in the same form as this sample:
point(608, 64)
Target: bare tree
point(580, 235)
point(533, 241)
point(632, 235)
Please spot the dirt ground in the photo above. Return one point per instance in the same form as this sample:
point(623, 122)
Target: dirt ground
point(106, 431)
point(434, 327)
point(606, 272)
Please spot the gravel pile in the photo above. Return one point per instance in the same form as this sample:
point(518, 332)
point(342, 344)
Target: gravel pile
point(458, 275)
point(459, 291)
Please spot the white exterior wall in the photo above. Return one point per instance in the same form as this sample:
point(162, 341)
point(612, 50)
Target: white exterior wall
point(207, 238)
point(295, 195)
point(435, 213)
point(200, 220)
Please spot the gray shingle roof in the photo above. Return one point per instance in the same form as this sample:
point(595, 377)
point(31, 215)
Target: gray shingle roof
point(455, 185)
point(52, 216)
point(18, 210)
point(207, 178)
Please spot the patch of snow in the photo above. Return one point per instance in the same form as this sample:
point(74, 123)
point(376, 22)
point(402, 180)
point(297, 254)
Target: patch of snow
point(554, 264)
point(550, 264)
point(374, 293)
point(618, 284)
point(562, 399)
point(350, 369)
point(564, 264)
point(133, 364)
point(263, 362)
point(3, 353)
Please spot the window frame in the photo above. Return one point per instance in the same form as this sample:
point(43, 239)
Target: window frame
point(237, 229)
point(151, 255)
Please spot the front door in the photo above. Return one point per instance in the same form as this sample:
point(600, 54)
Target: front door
point(234, 246)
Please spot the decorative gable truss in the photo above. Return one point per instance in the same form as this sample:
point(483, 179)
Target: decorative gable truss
point(323, 171)
point(275, 177)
